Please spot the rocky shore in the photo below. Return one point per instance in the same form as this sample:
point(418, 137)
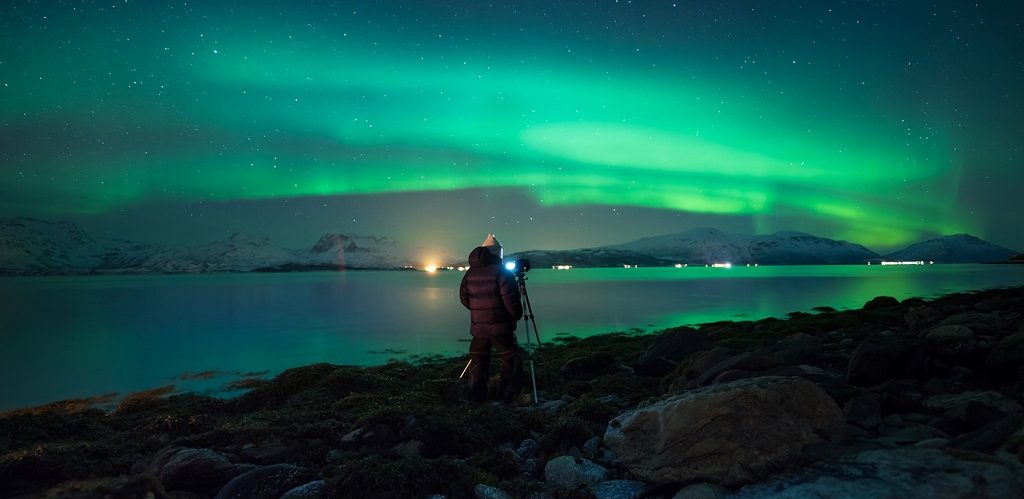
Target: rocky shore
point(897, 399)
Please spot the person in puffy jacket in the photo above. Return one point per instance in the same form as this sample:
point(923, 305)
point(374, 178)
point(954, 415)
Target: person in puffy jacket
point(491, 294)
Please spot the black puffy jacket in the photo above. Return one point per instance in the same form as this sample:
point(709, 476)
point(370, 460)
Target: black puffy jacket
point(491, 294)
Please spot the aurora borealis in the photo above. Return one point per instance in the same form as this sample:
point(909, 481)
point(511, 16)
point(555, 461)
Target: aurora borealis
point(554, 124)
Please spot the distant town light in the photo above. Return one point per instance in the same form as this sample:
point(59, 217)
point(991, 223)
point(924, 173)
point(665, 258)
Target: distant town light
point(561, 267)
point(725, 265)
point(430, 268)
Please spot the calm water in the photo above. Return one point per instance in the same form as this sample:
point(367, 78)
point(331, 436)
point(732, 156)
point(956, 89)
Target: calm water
point(66, 337)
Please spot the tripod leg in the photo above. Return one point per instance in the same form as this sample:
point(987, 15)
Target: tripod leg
point(533, 377)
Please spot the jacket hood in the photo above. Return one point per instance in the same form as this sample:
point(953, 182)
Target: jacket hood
point(481, 256)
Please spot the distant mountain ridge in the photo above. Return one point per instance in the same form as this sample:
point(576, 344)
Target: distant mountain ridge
point(706, 246)
point(31, 246)
point(958, 248)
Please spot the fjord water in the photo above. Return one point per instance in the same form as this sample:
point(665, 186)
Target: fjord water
point(81, 336)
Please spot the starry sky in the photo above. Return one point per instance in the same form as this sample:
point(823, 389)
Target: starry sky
point(556, 125)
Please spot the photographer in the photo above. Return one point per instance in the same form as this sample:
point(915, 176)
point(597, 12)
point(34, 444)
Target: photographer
point(492, 296)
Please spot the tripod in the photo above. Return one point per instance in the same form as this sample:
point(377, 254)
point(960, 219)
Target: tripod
point(528, 319)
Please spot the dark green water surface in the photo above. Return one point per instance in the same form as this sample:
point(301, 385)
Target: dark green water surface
point(66, 337)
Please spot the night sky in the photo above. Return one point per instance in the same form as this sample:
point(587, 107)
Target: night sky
point(554, 124)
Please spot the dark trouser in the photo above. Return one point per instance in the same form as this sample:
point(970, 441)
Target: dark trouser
point(512, 377)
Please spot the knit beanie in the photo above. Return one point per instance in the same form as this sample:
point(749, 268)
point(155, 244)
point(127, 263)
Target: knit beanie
point(492, 245)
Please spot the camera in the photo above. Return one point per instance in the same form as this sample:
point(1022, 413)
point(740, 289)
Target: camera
point(519, 265)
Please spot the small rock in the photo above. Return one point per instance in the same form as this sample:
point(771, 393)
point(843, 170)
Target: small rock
point(195, 470)
point(863, 411)
point(621, 489)
point(592, 447)
point(881, 302)
point(990, 437)
point(934, 385)
point(910, 472)
point(612, 400)
point(702, 491)
point(796, 349)
point(528, 466)
point(483, 491)
point(878, 361)
point(410, 449)
point(527, 448)
point(266, 482)
point(949, 334)
point(669, 349)
point(912, 434)
point(921, 316)
point(353, 435)
point(747, 361)
point(553, 406)
point(1006, 357)
point(933, 443)
point(588, 367)
point(957, 402)
point(312, 490)
point(569, 473)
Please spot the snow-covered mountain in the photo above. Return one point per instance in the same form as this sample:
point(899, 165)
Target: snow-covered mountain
point(959, 248)
point(30, 246)
point(706, 246)
point(350, 250)
point(239, 253)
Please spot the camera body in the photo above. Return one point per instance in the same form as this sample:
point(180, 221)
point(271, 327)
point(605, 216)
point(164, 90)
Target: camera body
point(519, 266)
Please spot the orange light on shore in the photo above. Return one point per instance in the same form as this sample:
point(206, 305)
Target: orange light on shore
point(430, 268)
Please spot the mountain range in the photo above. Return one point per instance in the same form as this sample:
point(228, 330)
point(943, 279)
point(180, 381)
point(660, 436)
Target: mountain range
point(707, 246)
point(31, 246)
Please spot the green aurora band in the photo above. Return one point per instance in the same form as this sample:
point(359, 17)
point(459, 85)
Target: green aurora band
point(275, 116)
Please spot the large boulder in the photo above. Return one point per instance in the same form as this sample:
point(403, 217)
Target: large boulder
point(668, 349)
point(731, 433)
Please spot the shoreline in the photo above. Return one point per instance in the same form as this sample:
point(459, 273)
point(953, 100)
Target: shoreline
point(376, 430)
point(307, 268)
